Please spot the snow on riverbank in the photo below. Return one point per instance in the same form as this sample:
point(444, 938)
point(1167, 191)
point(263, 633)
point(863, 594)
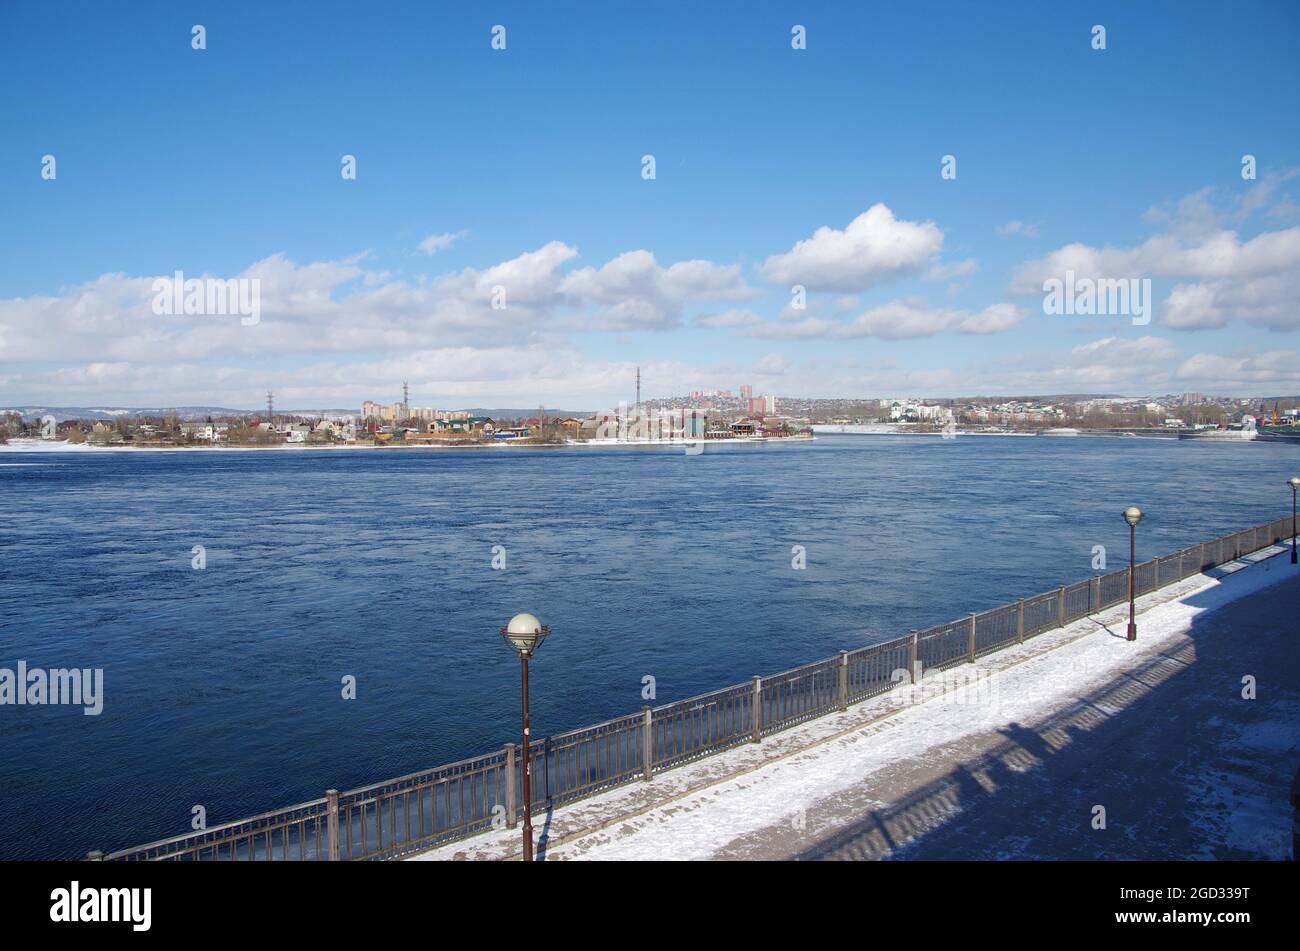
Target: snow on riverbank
point(895, 757)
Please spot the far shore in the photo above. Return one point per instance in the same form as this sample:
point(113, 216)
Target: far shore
point(63, 446)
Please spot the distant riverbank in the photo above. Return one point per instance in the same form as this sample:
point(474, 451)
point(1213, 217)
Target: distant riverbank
point(49, 445)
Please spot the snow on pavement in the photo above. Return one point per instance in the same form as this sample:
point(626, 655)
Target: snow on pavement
point(880, 779)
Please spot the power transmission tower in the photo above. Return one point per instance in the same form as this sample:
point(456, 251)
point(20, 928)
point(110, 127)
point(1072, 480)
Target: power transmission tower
point(638, 386)
point(270, 406)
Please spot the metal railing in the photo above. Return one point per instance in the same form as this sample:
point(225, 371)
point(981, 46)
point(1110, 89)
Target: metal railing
point(439, 805)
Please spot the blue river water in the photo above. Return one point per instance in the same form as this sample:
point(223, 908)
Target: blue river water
point(223, 685)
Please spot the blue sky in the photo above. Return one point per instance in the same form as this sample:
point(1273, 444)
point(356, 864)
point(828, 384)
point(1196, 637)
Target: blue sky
point(225, 162)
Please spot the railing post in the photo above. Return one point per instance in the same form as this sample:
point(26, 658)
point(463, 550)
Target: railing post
point(1094, 594)
point(95, 856)
point(1060, 607)
point(1157, 571)
point(332, 824)
point(844, 680)
point(913, 659)
point(548, 745)
point(647, 744)
point(970, 648)
point(511, 804)
point(756, 710)
point(1020, 621)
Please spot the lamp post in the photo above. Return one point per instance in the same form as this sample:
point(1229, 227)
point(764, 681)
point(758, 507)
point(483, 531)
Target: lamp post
point(1132, 515)
point(1294, 482)
point(525, 634)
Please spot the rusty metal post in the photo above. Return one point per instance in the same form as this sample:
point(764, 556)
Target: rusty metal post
point(1060, 607)
point(913, 658)
point(647, 744)
point(511, 803)
point(756, 710)
point(332, 824)
point(844, 680)
point(1020, 621)
point(970, 647)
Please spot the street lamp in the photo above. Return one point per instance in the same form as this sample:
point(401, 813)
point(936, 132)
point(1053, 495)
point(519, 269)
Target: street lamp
point(1132, 515)
point(525, 634)
point(1294, 482)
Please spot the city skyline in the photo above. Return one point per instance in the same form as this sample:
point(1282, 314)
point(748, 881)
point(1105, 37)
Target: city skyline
point(478, 169)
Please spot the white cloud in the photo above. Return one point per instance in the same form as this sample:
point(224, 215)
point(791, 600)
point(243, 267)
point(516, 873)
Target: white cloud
point(874, 247)
point(509, 375)
point(1117, 350)
point(911, 318)
point(635, 293)
point(1270, 302)
point(1016, 227)
point(440, 242)
point(1221, 255)
point(340, 306)
point(1223, 277)
point(898, 320)
point(1277, 368)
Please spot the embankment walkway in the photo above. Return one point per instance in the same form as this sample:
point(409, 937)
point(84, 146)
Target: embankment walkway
point(1019, 755)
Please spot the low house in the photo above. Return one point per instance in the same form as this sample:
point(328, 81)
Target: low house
point(463, 427)
point(458, 427)
point(572, 427)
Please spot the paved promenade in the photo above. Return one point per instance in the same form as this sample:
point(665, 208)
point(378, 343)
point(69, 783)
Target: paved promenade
point(1015, 756)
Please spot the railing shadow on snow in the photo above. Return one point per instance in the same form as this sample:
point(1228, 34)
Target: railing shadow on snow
point(1127, 746)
